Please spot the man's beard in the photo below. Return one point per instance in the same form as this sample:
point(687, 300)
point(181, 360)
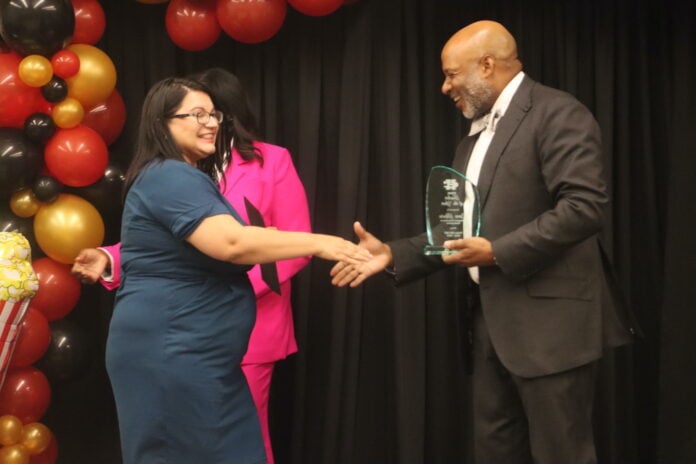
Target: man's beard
point(478, 98)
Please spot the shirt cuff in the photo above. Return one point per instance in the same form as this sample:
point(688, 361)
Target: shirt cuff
point(108, 274)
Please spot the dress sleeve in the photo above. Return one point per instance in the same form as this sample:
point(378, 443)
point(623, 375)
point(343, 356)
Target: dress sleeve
point(180, 196)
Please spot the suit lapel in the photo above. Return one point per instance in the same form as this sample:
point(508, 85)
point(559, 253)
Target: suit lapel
point(463, 153)
point(506, 127)
point(234, 173)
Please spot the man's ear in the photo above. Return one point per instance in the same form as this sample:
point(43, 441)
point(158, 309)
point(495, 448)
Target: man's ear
point(487, 64)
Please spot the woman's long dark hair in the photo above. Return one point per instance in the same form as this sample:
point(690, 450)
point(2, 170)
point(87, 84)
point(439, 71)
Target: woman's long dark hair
point(240, 124)
point(154, 141)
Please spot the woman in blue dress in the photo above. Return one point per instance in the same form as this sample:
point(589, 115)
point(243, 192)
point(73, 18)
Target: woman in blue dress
point(185, 293)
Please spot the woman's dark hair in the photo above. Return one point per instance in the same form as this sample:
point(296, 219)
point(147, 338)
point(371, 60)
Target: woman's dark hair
point(154, 141)
point(239, 127)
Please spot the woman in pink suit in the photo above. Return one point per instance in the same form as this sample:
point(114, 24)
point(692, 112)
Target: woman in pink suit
point(260, 179)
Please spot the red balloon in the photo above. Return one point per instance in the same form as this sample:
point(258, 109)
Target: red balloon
point(17, 100)
point(192, 24)
point(25, 394)
point(251, 21)
point(47, 456)
point(65, 63)
point(33, 339)
point(59, 290)
point(107, 118)
point(90, 22)
point(44, 107)
point(77, 157)
point(316, 7)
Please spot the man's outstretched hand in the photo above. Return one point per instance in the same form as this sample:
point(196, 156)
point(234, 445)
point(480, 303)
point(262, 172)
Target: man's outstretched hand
point(354, 274)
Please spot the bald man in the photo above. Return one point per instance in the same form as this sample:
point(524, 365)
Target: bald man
point(544, 302)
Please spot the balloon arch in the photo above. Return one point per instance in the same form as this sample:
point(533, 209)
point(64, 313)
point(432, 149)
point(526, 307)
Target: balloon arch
point(195, 25)
point(60, 112)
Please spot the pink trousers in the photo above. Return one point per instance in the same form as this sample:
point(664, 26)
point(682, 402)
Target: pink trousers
point(259, 379)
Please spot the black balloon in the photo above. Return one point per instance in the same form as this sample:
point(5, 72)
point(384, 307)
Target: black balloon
point(11, 223)
point(104, 194)
point(20, 160)
point(39, 127)
point(114, 176)
point(47, 188)
point(68, 354)
point(25, 226)
point(37, 27)
point(56, 90)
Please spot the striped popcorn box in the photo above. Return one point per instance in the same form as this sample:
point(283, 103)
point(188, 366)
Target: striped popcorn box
point(11, 315)
point(18, 285)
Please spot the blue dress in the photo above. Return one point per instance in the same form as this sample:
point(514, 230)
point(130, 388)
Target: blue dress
point(180, 327)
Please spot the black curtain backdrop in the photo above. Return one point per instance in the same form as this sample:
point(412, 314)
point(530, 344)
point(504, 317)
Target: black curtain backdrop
point(380, 376)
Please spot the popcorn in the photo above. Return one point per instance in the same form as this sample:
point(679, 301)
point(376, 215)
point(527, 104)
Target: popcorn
point(18, 280)
point(18, 285)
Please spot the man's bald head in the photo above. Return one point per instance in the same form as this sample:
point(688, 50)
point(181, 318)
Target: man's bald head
point(485, 38)
point(478, 62)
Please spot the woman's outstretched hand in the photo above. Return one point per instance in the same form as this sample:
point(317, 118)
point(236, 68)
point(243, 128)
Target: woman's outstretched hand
point(334, 248)
point(89, 265)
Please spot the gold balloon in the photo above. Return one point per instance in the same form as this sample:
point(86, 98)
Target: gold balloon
point(66, 226)
point(96, 78)
point(10, 430)
point(24, 204)
point(14, 454)
point(68, 113)
point(36, 437)
point(35, 70)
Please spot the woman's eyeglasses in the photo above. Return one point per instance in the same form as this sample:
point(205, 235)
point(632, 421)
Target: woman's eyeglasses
point(203, 117)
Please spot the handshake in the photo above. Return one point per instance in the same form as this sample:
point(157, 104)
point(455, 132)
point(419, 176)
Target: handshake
point(466, 252)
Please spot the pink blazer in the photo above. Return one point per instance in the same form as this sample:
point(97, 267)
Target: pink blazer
point(276, 191)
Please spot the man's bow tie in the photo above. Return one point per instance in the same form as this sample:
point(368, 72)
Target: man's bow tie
point(488, 121)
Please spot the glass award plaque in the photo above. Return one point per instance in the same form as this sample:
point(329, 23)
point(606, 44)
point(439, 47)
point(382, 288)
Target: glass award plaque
point(451, 208)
